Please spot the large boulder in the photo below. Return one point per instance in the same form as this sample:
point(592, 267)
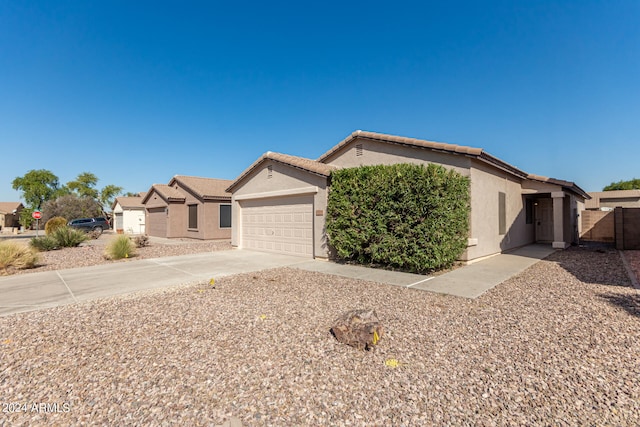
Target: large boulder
point(358, 328)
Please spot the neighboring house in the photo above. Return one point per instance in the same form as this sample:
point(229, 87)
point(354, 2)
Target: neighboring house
point(189, 206)
point(607, 200)
point(129, 215)
point(280, 201)
point(10, 214)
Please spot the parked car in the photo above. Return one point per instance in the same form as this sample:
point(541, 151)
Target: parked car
point(98, 224)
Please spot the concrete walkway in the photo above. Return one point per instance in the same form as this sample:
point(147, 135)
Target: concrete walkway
point(33, 291)
point(469, 281)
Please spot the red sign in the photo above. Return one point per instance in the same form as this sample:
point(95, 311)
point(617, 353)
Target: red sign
point(36, 214)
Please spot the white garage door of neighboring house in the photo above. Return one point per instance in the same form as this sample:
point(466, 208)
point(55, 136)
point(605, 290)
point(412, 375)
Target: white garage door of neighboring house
point(283, 225)
point(118, 221)
point(157, 222)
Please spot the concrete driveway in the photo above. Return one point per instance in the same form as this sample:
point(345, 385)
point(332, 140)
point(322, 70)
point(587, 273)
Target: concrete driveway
point(26, 292)
point(33, 291)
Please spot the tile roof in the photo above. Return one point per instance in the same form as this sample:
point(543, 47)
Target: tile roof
point(166, 192)
point(129, 202)
point(477, 153)
point(8, 207)
point(205, 188)
point(568, 185)
point(305, 164)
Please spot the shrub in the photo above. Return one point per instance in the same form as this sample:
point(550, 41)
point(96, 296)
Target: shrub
point(120, 247)
point(68, 237)
point(15, 255)
point(54, 223)
point(141, 241)
point(407, 217)
point(45, 243)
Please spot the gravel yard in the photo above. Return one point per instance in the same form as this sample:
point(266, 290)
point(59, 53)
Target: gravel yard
point(555, 345)
point(92, 252)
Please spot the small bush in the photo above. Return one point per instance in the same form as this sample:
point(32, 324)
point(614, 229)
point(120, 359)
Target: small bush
point(141, 241)
point(45, 243)
point(54, 223)
point(120, 247)
point(15, 255)
point(68, 237)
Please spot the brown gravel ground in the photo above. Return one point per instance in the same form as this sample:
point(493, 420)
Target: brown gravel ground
point(556, 345)
point(633, 258)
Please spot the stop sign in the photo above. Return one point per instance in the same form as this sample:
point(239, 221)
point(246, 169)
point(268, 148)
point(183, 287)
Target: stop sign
point(36, 214)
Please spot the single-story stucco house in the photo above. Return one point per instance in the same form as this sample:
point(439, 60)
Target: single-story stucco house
point(279, 203)
point(608, 200)
point(129, 215)
point(10, 215)
point(189, 206)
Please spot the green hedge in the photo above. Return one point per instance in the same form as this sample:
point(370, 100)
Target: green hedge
point(406, 217)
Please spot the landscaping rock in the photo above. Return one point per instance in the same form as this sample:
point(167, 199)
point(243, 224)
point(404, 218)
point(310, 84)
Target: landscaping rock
point(358, 328)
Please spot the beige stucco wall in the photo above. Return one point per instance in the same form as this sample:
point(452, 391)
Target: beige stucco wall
point(155, 201)
point(379, 153)
point(284, 179)
point(486, 184)
point(178, 217)
point(208, 218)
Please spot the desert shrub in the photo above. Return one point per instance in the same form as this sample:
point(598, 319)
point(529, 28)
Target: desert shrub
point(54, 223)
point(44, 243)
point(68, 237)
point(407, 217)
point(141, 241)
point(120, 247)
point(15, 255)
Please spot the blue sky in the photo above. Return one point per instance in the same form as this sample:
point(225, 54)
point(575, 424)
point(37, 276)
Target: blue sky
point(138, 91)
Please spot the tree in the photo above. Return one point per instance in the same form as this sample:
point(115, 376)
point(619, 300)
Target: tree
point(37, 186)
point(632, 184)
point(71, 206)
point(108, 195)
point(85, 186)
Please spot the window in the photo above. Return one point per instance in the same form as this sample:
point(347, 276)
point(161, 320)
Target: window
point(225, 216)
point(529, 210)
point(193, 216)
point(502, 213)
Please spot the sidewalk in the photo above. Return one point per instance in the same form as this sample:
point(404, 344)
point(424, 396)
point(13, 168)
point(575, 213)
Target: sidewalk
point(469, 281)
point(26, 292)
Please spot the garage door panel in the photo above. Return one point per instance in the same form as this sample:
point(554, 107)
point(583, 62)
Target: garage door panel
point(283, 225)
point(157, 222)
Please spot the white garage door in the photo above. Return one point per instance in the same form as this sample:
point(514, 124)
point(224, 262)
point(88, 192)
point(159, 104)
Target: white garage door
point(282, 225)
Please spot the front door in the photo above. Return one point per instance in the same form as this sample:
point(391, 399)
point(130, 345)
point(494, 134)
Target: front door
point(544, 220)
